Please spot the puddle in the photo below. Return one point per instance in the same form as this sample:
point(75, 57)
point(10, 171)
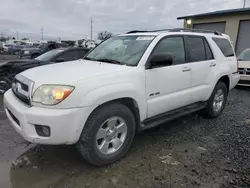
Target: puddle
point(5, 177)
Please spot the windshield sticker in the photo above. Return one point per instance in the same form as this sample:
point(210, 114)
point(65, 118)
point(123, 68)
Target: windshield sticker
point(145, 38)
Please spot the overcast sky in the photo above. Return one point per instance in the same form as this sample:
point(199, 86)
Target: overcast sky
point(70, 19)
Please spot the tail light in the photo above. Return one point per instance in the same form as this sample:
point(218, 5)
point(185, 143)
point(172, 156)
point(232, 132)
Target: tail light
point(237, 64)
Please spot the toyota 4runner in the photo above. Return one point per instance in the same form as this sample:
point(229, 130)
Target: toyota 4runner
point(128, 83)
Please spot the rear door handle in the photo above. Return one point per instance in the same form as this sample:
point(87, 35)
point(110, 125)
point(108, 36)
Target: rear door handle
point(186, 69)
point(212, 65)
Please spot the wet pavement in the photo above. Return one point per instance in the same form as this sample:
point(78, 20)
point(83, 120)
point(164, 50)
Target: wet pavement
point(189, 152)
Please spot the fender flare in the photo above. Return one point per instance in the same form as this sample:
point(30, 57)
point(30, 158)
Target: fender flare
point(113, 92)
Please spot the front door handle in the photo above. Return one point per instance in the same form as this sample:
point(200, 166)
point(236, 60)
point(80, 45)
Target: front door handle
point(212, 65)
point(186, 69)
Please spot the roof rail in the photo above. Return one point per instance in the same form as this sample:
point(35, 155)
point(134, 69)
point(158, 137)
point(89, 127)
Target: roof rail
point(179, 30)
point(194, 30)
point(136, 31)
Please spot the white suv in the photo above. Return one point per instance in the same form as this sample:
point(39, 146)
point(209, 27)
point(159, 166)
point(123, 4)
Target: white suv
point(128, 83)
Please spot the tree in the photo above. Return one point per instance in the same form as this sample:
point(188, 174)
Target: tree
point(3, 39)
point(104, 35)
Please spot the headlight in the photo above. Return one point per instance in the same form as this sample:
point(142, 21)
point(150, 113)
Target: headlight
point(51, 94)
point(26, 52)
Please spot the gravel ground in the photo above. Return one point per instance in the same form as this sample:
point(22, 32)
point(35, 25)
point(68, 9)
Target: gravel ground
point(189, 152)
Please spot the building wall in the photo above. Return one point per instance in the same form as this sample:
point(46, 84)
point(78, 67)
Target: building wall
point(232, 23)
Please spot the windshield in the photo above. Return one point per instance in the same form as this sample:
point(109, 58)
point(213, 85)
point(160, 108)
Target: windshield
point(48, 55)
point(244, 56)
point(124, 49)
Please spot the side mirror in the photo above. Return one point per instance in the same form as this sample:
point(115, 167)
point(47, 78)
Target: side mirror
point(60, 59)
point(161, 60)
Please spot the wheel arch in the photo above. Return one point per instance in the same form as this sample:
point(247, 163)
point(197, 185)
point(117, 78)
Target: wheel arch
point(131, 103)
point(225, 79)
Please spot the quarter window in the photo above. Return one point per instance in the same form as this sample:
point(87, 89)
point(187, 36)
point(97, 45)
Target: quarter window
point(225, 46)
point(174, 46)
point(196, 48)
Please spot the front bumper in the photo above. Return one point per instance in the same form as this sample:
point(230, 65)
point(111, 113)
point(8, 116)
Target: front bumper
point(244, 80)
point(65, 124)
point(234, 78)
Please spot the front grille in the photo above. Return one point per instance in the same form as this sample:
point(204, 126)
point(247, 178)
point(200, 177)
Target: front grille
point(21, 88)
point(13, 117)
point(244, 71)
point(247, 82)
point(24, 87)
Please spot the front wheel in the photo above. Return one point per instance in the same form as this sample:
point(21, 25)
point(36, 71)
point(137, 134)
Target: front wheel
point(217, 101)
point(107, 134)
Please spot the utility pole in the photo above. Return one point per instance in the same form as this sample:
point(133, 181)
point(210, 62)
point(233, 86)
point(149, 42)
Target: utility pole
point(42, 32)
point(17, 36)
point(91, 28)
point(244, 5)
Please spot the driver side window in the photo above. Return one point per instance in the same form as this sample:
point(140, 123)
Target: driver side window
point(68, 56)
point(174, 46)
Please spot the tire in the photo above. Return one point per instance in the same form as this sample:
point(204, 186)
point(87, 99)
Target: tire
point(211, 110)
point(5, 84)
point(99, 119)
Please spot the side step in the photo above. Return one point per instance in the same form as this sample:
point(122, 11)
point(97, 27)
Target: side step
point(171, 115)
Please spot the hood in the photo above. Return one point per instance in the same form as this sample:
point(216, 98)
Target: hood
point(3, 63)
point(71, 72)
point(244, 64)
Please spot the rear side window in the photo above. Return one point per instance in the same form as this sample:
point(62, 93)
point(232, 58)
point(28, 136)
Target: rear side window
point(225, 46)
point(196, 49)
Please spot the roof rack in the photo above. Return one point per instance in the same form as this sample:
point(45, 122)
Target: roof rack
point(179, 30)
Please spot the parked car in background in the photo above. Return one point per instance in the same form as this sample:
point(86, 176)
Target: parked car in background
point(15, 49)
point(1, 48)
point(6, 47)
point(128, 83)
point(31, 53)
point(9, 69)
point(244, 68)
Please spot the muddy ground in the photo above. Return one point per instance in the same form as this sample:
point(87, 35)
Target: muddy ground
point(189, 152)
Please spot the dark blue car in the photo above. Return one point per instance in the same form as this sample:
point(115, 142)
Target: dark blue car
point(15, 49)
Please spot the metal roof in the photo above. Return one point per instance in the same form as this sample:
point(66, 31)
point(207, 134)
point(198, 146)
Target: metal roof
point(218, 13)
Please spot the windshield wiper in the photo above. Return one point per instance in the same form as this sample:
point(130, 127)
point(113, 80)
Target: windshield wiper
point(110, 61)
point(88, 58)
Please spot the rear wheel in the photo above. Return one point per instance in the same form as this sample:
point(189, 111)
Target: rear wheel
point(217, 101)
point(107, 135)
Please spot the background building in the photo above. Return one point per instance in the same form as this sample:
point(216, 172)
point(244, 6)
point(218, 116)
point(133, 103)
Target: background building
point(234, 22)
